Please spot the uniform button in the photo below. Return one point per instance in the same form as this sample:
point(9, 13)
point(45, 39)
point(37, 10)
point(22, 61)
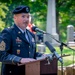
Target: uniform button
point(29, 52)
point(9, 71)
point(18, 45)
point(29, 46)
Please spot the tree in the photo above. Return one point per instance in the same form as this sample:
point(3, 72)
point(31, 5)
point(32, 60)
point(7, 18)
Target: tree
point(38, 10)
point(65, 15)
point(65, 10)
point(3, 8)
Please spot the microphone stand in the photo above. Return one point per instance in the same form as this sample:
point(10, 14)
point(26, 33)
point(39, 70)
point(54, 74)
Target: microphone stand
point(62, 44)
point(61, 48)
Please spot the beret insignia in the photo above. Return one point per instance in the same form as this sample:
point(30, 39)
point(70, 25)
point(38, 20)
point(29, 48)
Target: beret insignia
point(27, 9)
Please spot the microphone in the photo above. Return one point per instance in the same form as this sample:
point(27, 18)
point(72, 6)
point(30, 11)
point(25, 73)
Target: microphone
point(48, 57)
point(53, 51)
point(34, 28)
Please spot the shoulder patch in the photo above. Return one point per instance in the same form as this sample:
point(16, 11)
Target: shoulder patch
point(2, 46)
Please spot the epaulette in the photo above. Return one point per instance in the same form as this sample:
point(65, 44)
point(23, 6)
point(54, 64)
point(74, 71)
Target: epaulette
point(10, 28)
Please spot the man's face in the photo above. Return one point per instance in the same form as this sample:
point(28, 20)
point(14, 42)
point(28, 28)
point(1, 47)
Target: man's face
point(22, 20)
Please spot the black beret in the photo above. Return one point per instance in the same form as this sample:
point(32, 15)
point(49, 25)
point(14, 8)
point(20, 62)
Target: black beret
point(21, 9)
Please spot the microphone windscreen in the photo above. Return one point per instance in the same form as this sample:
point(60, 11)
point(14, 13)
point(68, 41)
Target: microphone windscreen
point(51, 48)
point(34, 28)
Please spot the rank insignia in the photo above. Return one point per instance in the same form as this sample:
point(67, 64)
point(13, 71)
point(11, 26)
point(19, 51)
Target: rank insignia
point(18, 40)
point(18, 51)
point(2, 46)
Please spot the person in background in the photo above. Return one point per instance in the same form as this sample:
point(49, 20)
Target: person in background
point(18, 44)
point(31, 24)
point(39, 36)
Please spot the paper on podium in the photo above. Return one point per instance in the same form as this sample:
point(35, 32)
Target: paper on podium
point(43, 57)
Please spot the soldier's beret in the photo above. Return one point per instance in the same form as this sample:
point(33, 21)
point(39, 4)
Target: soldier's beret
point(21, 9)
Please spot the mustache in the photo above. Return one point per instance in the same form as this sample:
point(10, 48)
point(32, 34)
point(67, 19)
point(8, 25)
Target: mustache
point(26, 22)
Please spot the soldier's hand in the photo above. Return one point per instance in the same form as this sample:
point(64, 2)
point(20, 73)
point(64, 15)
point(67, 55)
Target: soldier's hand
point(26, 60)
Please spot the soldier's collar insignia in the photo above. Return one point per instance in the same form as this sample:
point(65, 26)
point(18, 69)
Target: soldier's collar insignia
point(19, 32)
point(2, 46)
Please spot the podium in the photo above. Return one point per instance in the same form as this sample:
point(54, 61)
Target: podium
point(41, 67)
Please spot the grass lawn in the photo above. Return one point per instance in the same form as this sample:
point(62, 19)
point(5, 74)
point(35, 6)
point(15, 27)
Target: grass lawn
point(68, 55)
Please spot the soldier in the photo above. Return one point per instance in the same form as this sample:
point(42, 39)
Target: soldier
point(18, 44)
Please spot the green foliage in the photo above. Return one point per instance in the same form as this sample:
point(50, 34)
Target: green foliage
point(3, 10)
point(66, 11)
point(68, 55)
point(64, 8)
point(38, 11)
point(2, 25)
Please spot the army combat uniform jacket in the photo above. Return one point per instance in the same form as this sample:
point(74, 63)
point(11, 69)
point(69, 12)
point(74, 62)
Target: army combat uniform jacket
point(16, 47)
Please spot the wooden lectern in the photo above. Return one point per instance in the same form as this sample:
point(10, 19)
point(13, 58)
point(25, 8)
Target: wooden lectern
point(41, 67)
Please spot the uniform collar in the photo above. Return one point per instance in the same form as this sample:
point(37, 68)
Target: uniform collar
point(21, 29)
